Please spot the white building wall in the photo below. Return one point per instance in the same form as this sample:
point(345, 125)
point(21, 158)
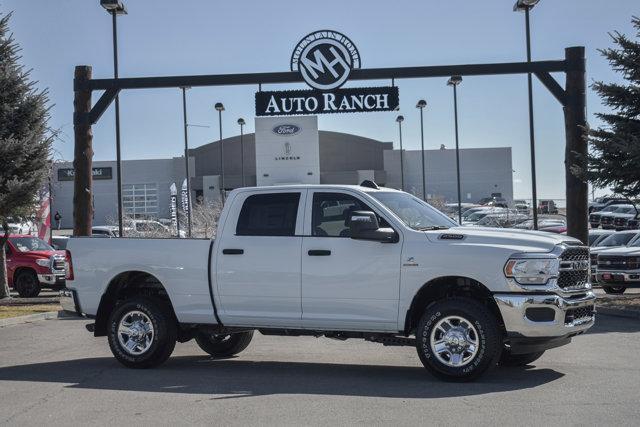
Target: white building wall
point(482, 171)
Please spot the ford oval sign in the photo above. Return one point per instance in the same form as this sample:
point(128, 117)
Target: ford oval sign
point(286, 130)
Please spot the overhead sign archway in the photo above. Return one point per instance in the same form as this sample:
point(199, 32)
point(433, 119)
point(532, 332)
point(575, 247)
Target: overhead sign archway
point(325, 60)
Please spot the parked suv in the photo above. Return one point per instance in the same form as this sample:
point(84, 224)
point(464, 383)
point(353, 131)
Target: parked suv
point(547, 207)
point(33, 264)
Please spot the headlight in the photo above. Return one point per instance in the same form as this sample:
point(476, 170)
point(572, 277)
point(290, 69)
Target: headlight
point(532, 271)
point(43, 262)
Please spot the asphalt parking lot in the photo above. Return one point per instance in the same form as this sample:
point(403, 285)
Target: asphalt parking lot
point(55, 372)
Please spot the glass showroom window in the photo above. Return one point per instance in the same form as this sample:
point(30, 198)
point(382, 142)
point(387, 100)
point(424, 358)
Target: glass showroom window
point(140, 199)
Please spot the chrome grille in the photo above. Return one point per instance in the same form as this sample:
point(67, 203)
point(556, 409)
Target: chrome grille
point(618, 263)
point(579, 314)
point(574, 268)
point(59, 263)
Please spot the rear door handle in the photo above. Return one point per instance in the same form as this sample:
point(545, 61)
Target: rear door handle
point(319, 252)
point(232, 251)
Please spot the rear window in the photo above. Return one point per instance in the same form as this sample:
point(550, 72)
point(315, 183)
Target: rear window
point(269, 215)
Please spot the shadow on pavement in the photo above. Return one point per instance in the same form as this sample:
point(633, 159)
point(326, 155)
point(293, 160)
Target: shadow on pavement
point(605, 324)
point(233, 378)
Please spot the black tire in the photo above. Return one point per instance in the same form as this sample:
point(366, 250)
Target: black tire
point(163, 339)
point(484, 330)
point(223, 345)
point(27, 284)
point(615, 290)
point(508, 359)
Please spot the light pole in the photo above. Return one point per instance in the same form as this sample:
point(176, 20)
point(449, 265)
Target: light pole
point(115, 8)
point(421, 104)
point(241, 122)
point(526, 6)
point(186, 157)
point(220, 108)
point(400, 119)
point(455, 81)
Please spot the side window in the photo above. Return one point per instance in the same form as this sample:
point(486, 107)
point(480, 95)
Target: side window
point(269, 215)
point(331, 211)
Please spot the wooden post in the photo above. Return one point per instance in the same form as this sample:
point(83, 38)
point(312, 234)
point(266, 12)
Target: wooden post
point(82, 157)
point(576, 149)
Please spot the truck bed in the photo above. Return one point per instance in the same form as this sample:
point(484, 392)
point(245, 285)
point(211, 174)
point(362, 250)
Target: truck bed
point(179, 264)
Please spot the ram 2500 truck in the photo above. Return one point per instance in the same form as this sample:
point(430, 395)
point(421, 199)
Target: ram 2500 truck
point(341, 262)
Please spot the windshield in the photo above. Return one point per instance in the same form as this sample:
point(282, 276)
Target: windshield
point(26, 244)
point(625, 209)
point(616, 239)
point(413, 212)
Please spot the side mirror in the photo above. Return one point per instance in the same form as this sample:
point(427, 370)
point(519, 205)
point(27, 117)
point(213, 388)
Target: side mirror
point(363, 225)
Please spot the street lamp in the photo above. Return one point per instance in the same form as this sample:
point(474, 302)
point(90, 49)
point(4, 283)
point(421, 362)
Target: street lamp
point(400, 119)
point(186, 157)
point(526, 6)
point(454, 81)
point(241, 122)
point(421, 104)
point(220, 108)
point(115, 8)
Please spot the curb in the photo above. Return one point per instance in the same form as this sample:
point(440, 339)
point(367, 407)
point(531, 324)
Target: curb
point(31, 318)
point(619, 312)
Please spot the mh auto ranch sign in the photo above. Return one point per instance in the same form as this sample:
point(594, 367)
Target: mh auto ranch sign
point(325, 59)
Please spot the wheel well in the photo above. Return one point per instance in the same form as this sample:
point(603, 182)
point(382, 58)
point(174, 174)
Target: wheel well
point(447, 287)
point(123, 286)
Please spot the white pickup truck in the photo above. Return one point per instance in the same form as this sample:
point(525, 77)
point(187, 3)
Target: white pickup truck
point(341, 262)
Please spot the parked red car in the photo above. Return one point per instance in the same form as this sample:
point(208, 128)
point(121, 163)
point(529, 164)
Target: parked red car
point(33, 264)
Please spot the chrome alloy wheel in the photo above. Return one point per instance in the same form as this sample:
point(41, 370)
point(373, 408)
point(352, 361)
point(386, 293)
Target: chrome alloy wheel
point(135, 332)
point(454, 341)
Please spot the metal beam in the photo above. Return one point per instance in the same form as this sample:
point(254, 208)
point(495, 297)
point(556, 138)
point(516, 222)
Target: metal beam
point(554, 87)
point(98, 109)
point(295, 77)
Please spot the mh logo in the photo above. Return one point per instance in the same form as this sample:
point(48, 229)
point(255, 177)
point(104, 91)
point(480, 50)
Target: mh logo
point(325, 59)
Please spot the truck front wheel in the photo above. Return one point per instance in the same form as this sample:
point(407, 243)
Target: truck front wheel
point(615, 290)
point(458, 339)
point(223, 345)
point(27, 285)
point(142, 332)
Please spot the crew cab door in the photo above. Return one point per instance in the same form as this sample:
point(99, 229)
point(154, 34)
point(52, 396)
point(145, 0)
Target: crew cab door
point(346, 284)
point(258, 259)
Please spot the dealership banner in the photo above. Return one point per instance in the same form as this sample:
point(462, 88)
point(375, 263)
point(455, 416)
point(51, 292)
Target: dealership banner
point(43, 217)
point(173, 208)
point(303, 102)
point(185, 198)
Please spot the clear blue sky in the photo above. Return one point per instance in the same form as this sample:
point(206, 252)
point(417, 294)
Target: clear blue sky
point(162, 37)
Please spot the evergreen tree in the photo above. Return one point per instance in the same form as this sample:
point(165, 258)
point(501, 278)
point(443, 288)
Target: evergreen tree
point(24, 141)
point(614, 160)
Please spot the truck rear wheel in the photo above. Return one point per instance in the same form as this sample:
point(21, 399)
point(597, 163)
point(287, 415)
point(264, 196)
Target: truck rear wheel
point(508, 359)
point(26, 284)
point(142, 332)
point(223, 345)
point(615, 290)
point(458, 339)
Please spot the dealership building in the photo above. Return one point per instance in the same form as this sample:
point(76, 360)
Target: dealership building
point(287, 150)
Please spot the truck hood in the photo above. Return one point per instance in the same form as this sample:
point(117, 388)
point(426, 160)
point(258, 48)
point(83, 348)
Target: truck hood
point(43, 254)
point(625, 250)
point(518, 240)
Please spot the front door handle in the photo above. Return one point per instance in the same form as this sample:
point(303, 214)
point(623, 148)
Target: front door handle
point(232, 251)
point(319, 252)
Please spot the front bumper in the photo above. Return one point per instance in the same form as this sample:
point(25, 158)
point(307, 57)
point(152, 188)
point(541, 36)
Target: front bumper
point(618, 277)
point(52, 278)
point(548, 316)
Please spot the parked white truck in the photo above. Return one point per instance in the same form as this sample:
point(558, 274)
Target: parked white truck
point(340, 262)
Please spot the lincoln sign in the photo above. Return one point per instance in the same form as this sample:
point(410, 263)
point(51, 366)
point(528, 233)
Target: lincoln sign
point(325, 59)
